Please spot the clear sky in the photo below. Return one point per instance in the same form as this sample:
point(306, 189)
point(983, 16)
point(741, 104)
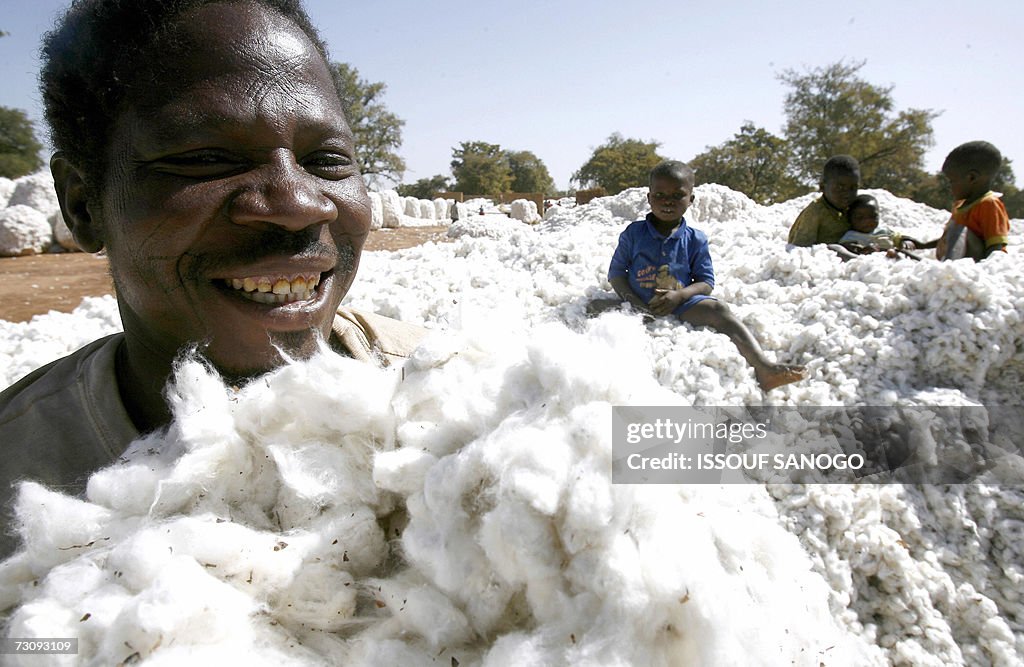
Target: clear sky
point(557, 78)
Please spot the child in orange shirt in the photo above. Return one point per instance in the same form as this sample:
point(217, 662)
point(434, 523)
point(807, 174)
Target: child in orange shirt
point(979, 225)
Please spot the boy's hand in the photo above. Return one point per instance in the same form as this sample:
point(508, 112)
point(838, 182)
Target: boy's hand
point(665, 301)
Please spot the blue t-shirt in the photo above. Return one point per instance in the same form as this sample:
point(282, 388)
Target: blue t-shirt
point(651, 260)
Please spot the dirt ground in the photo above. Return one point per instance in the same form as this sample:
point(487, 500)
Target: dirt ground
point(37, 284)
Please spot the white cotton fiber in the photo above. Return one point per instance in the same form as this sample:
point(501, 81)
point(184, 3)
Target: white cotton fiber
point(23, 231)
point(376, 210)
point(524, 210)
point(411, 206)
point(6, 190)
point(52, 335)
point(427, 210)
point(61, 233)
point(442, 209)
point(393, 208)
point(461, 507)
point(36, 191)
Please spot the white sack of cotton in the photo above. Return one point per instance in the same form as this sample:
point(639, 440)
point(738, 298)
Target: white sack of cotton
point(393, 208)
point(23, 231)
point(376, 210)
point(36, 191)
point(258, 525)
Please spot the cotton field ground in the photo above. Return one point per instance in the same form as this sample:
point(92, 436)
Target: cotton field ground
point(462, 511)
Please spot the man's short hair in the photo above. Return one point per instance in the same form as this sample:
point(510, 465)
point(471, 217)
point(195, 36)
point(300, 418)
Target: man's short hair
point(840, 165)
point(674, 170)
point(980, 156)
point(91, 61)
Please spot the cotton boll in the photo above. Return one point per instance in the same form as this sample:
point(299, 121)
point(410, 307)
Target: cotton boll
point(424, 611)
point(54, 528)
point(320, 597)
point(185, 603)
point(402, 470)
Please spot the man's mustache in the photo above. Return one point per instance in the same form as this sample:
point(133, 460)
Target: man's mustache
point(275, 243)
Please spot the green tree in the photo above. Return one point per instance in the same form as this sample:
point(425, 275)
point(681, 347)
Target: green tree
point(618, 164)
point(831, 111)
point(425, 188)
point(481, 168)
point(19, 148)
point(529, 173)
point(754, 162)
point(377, 131)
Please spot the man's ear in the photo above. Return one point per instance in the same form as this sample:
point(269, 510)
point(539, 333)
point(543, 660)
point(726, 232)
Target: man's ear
point(75, 203)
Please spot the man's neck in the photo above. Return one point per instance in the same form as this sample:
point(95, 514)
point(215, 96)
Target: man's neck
point(141, 387)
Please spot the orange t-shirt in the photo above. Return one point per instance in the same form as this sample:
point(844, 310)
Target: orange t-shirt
point(986, 217)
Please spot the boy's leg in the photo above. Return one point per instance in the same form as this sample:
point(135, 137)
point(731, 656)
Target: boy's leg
point(598, 306)
point(716, 315)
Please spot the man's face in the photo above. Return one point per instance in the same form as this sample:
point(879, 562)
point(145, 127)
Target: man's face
point(669, 198)
point(864, 219)
point(233, 211)
point(840, 189)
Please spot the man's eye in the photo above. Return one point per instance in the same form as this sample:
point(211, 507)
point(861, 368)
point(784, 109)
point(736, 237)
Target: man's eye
point(200, 165)
point(329, 164)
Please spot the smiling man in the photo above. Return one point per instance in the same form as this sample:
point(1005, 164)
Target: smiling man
point(203, 146)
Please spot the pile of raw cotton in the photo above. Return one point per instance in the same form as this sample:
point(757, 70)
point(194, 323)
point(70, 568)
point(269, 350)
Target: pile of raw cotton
point(30, 218)
point(461, 510)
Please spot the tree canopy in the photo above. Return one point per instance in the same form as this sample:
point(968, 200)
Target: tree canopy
point(19, 148)
point(377, 131)
point(481, 168)
point(425, 188)
point(832, 111)
point(618, 164)
point(529, 173)
point(754, 161)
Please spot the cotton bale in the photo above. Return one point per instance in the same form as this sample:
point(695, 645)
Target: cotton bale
point(35, 190)
point(376, 210)
point(24, 230)
point(393, 208)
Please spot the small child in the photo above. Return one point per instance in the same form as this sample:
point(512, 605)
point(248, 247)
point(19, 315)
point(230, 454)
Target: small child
point(662, 266)
point(865, 236)
point(824, 220)
point(979, 224)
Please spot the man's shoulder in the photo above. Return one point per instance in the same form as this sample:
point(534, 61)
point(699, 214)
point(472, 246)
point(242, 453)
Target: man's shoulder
point(372, 337)
point(64, 420)
point(52, 378)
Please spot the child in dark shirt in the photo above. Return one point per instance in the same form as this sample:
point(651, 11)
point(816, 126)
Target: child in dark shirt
point(824, 220)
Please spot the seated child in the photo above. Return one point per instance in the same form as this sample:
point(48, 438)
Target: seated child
point(865, 236)
point(979, 224)
point(662, 266)
point(824, 220)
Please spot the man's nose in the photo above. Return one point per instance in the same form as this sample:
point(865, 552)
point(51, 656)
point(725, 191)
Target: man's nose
point(284, 194)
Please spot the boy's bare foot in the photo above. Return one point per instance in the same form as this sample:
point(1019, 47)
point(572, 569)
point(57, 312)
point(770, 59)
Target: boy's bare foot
point(776, 375)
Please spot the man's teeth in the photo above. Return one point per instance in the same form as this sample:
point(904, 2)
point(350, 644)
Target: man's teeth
point(276, 289)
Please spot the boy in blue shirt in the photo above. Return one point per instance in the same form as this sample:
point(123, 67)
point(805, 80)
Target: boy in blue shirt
point(662, 266)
